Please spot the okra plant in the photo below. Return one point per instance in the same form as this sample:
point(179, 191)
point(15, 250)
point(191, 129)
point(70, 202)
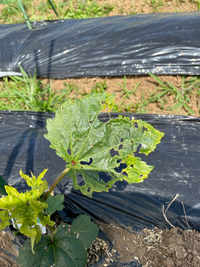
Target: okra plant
point(79, 137)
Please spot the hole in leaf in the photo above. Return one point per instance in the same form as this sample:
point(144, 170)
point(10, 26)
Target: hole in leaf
point(120, 146)
point(136, 125)
point(144, 129)
point(121, 167)
point(69, 151)
point(114, 152)
point(138, 148)
point(87, 163)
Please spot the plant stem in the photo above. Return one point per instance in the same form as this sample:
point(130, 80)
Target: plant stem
point(25, 16)
point(51, 4)
point(55, 183)
point(49, 231)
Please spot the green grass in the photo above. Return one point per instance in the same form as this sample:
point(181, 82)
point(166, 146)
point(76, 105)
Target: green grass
point(125, 94)
point(156, 5)
point(90, 9)
point(181, 95)
point(29, 93)
point(99, 87)
point(77, 9)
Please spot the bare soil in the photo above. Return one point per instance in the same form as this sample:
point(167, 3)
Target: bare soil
point(151, 248)
point(147, 86)
point(154, 248)
point(128, 7)
point(8, 250)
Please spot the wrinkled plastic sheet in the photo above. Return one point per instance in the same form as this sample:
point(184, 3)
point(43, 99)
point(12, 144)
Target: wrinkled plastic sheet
point(162, 43)
point(137, 206)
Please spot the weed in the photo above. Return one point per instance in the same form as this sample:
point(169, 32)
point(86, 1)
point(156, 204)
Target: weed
point(142, 106)
point(99, 87)
point(125, 93)
point(11, 10)
point(28, 93)
point(198, 5)
point(90, 9)
point(73, 87)
point(181, 96)
point(11, 13)
point(156, 4)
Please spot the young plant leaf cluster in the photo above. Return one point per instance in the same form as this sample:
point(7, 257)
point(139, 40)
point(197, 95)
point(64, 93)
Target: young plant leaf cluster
point(26, 207)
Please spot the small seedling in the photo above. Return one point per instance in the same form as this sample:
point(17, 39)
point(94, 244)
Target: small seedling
point(99, 87)
point(125, 93)
point(78, 136)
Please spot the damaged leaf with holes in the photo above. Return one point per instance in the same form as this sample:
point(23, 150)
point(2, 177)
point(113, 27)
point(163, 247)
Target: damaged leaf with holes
point(90, 146)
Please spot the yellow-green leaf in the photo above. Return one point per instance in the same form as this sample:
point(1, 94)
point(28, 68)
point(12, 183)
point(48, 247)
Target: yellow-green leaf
point(26, 207)
point(4, 216)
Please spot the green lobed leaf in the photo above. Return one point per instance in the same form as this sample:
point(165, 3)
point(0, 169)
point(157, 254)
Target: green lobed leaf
point(65, 250)
point(86, 143)
point(86, 230)
point(54, 204)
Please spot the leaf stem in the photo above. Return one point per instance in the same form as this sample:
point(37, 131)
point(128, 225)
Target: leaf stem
point(55, 183)
point(49, 232)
